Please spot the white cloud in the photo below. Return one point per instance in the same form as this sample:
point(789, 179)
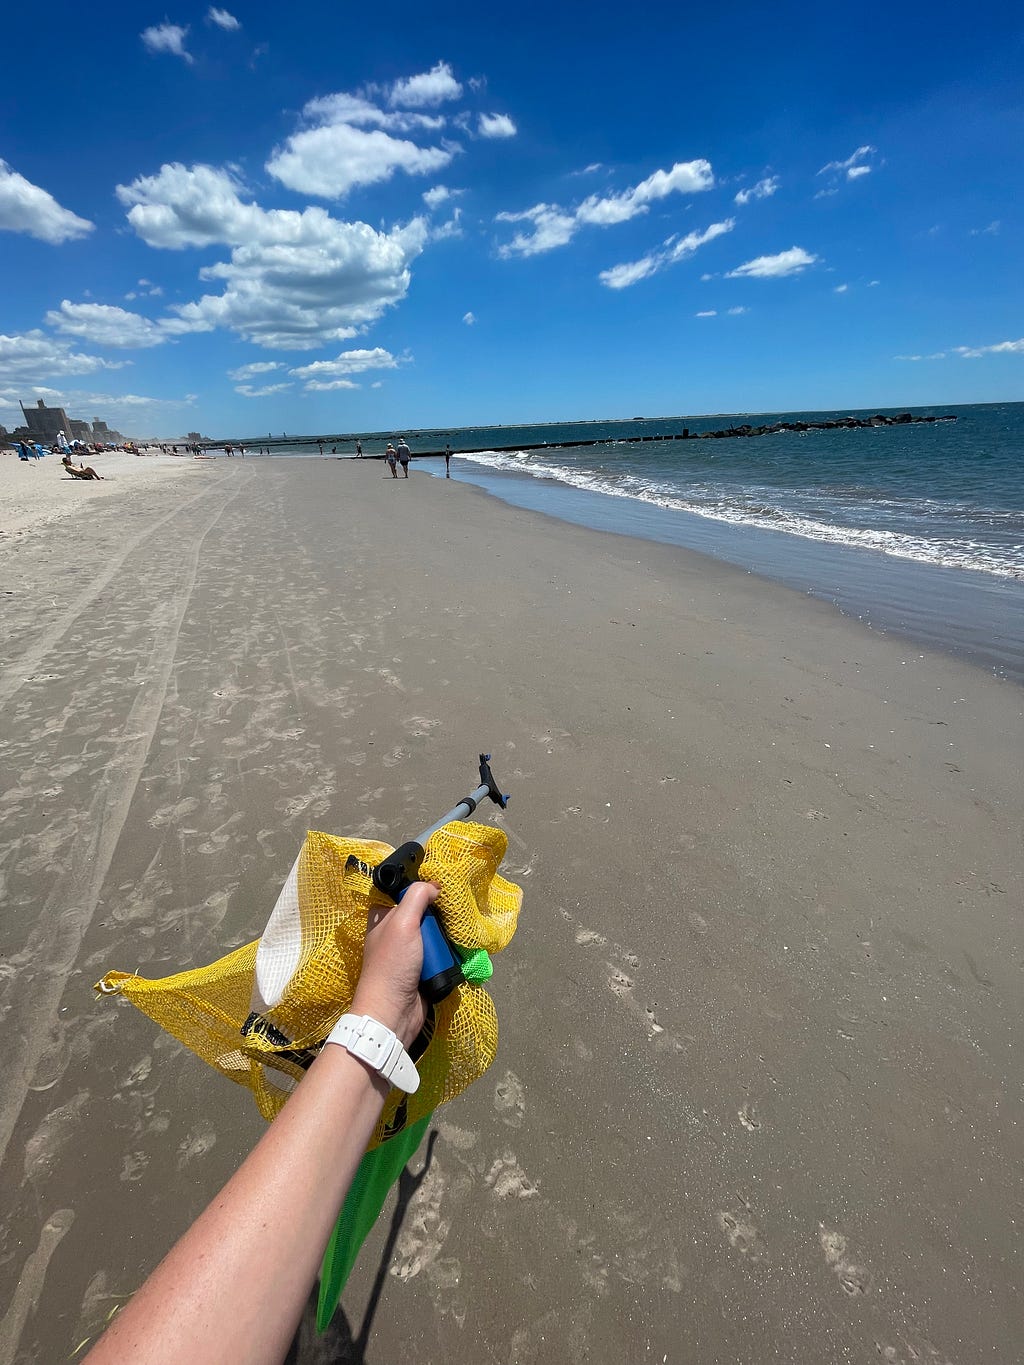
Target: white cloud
point(555, 226)
point(469, 319)
point(331, 374)
point(324, 385)
point(104, 325)
point(589, 170)
point(873, 283)
point(294, 280)
point(25, 207)
point(436, 196)
point(444, 231)
point(352, 141)
point(167, 38)
point(991, 231)
point(936, 355)
point(790, 262)
point(378, 384)
point(707, 313)
point(551, 228)
point(841, 288)
point(853, 165)
point(496, 125)
point(675, 249)
point(428, 89)
point(33, 356)
point(247, 390)
point(999, 348)
point(247, 372)
point(685, 177)
point(331, 160)
point(764, 189)
point(222, 19)
point(738, 311)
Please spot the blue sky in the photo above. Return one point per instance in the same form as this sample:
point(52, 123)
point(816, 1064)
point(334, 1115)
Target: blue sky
point(311, 218)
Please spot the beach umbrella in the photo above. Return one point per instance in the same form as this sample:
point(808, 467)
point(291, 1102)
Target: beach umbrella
point(260, 1015)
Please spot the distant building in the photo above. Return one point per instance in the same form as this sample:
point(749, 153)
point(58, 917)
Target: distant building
point(46, 423)
point(194, 437)
point(81, 431)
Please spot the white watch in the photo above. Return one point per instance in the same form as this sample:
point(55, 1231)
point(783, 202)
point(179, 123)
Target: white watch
point(376, 1045)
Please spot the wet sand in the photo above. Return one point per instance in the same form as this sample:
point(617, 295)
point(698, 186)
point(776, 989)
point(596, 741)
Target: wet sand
point(758, 1089)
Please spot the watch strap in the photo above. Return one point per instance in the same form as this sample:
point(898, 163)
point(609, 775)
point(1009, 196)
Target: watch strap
point(379, 1047)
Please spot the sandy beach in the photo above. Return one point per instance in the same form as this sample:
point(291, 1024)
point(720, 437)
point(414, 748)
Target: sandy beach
point(758, 1091)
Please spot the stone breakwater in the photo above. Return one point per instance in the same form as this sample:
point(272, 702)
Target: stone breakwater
point(878, 420)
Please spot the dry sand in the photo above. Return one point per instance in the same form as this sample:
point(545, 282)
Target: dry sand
point(758, 1094)
point(38, 493)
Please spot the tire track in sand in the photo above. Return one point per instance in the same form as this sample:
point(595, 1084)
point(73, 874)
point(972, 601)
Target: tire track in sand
point(15, 675)
point(53, 946)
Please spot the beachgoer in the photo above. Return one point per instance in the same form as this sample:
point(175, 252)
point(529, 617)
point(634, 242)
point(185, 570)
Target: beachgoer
point(391, 456)
point(241, 451)
point(321, 445)
point(447, 462)
point(279, 1208)
point(82, 472)
point(359, 450)
point(403, 454)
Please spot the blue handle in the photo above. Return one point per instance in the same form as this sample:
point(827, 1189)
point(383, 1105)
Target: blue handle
point(438, 957)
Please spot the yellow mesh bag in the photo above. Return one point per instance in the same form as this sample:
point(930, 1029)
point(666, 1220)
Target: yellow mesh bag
point(308, 962)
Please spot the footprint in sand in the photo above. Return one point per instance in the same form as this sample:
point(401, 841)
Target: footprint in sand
point(508, 1179)
point(853, 1279)
point(748, 1117)
point(743, 1234)
point(510, 1100)
point(196, 1145)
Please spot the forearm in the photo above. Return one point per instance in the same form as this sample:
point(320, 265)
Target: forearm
point(234, 1286)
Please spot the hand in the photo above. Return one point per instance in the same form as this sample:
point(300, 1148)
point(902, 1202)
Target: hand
point(389, 984)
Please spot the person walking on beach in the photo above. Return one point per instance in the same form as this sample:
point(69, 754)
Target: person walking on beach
point(359, 450)
point(392, 459)
point(447, 462)
point(403, 454)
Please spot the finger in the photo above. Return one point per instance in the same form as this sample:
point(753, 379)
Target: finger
point(418, 897)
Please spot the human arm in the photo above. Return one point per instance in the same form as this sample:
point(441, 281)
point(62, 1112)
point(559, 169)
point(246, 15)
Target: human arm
point(234, 1286)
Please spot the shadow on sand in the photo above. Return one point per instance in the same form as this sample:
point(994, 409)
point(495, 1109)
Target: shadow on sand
point(337, 1346)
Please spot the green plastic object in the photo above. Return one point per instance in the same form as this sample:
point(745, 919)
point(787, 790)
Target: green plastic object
point(477, 966)
point(377, 1172)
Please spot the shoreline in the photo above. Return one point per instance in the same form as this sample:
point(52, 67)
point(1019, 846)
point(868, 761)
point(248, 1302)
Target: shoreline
point(971, 615)
point(760, 1051)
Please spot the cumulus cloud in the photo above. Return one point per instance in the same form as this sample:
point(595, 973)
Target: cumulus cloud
point(495, 125)
point(333, 374)
point(247, 372)
point(999, 348)
point(25, 207)
point(293, 280)
point(222, 19)
point(426, 90)
point(167, 38)
point(469, 319)
point(554, 226)
point(854, 165)
point(438, 195)
point(790, 262)
point(764, 189)
point(33, 356)
point(105, 325)
point(330, 160)
point(673, 250)
point(353, 141)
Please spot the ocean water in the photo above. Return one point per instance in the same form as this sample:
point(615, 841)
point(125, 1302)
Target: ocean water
point(917, 529)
